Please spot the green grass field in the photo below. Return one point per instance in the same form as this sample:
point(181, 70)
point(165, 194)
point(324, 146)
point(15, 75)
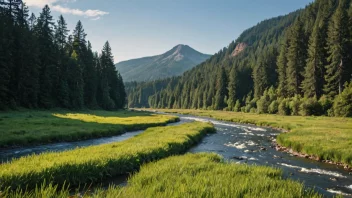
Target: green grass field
point(94, 163)
point(328, 138)
point(193, 175)
point(20, 128)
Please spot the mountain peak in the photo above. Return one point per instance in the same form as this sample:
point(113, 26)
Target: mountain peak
point(172, 63)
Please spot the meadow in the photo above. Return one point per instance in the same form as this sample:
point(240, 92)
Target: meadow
point(22, 128)
point(95, 163)
point(326, 138)
point(192, 175)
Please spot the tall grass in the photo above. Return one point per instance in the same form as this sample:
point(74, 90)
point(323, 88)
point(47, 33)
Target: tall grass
point(94, 163)
point(36, 127)
point(194, 175)
point(328, 138)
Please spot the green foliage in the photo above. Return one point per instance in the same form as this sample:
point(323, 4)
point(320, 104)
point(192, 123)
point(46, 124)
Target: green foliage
point(325, 104)
point(237, 107)
point(310, 106)
point(273, 107)
point(337, 72)
point(91, 164)
point(263, 103)
point(295, 103)
point(296, 57)
point(343, 102)
point(42, 67)
point(304, 53)
point(284, 107)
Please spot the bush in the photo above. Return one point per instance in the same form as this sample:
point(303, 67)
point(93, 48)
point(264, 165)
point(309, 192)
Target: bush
point(284, 107)
point(294, 105)
point(343, 102)
point(273, 107)
point(325, 104)
point(310, 106)
point(253, 110)
point(263, 103)
point(237, 107)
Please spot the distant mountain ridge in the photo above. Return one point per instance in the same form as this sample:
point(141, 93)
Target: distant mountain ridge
point(172, 63)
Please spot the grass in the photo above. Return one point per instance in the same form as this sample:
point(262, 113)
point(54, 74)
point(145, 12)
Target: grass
point(94, 163)
point(21, 128)
point(193, 175)
point(327, 138)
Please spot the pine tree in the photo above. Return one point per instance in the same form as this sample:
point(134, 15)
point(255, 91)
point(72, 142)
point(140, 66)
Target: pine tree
point(27, 62)
point(5, 56)
point(61, 33)
point(221, 89)
point(90, 78)
point(45, 33)
point(296, 58)
point(281, 69)
point(312, 85)
point(232, 88)
point(75, 82)
point(62, 83)
point(32, 21)
point(260, 78)
point(338, 43)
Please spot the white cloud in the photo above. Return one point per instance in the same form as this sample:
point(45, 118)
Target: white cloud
point(94, 14)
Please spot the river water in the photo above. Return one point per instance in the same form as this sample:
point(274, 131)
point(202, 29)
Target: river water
point(238, 143)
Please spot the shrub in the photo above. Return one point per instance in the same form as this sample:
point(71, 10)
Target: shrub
point(273, 107)
point(343, 102)
point(310, 106)
point(237, 107)
point(284, 107)
point(294, 105)
point(263, 103)
point(325, 103)
point(253, 110)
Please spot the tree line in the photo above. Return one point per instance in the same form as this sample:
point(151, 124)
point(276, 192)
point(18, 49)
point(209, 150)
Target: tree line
point(298, 64)
point(42, 66)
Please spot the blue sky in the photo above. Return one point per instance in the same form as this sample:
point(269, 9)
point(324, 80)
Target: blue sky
point(138, 28)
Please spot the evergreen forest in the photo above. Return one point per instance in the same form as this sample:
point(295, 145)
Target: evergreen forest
point(297, 64)
point(43, 66)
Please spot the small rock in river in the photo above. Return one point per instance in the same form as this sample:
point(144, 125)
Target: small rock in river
point(262, 148)
point(333, 179)
point(237, 158)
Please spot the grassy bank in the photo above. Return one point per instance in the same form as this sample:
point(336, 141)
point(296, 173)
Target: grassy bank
point(91, 164)
point(19, 128)
point(197, 175)
point(327, 138)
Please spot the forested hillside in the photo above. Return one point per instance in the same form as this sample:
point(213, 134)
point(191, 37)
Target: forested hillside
point(294, 64)
point(42, 66)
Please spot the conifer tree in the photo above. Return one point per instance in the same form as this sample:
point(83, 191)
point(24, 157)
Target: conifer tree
point(338, 42)
point(45, 33)
point(312, 85)
point(281, 69)
point(233, 80)
point(221, 89)
point(296, 58)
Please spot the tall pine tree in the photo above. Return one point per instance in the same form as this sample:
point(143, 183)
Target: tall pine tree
point(338, 44)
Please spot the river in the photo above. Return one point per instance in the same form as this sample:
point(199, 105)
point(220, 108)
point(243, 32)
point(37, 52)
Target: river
point(238, 143)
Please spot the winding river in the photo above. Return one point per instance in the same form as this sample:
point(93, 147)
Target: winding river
point(239, 143)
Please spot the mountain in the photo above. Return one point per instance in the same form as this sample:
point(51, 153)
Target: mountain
point(297, 64)
point(172, 63)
